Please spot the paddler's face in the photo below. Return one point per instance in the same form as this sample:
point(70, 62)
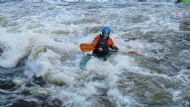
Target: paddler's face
point(105, 35)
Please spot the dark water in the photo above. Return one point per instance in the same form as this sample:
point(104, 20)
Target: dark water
point(47, 75)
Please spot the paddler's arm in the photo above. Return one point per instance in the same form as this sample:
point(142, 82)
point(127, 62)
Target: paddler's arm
point(95, 42)
point(112, 45)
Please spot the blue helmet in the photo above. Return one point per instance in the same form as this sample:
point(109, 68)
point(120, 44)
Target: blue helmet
point(106, 30)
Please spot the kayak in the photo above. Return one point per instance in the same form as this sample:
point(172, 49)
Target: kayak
point(86, 57)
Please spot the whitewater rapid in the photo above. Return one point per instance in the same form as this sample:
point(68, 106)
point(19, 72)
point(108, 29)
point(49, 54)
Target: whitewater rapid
point(40, 54)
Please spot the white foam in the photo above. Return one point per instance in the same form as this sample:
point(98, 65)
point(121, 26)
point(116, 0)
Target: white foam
point(51, 38)
point(15, 48)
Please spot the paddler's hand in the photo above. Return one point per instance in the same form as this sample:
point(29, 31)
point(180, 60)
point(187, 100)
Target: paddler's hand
point(116, 49)
point(100, 49)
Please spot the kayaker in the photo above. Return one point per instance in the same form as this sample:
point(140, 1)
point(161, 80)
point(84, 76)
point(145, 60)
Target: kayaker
point(102, 43)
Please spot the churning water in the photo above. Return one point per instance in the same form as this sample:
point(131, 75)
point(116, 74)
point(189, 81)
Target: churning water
point(39, 54)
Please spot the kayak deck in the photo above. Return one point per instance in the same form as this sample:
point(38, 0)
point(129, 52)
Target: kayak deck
point(86, 57)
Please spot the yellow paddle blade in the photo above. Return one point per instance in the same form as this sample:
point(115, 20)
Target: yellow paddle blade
point(133, 52)
point(86, 47)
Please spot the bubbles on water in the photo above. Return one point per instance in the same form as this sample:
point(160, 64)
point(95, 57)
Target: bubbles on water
point(50, 34)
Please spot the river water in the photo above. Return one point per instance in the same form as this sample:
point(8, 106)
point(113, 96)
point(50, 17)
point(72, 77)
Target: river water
point(40, 55)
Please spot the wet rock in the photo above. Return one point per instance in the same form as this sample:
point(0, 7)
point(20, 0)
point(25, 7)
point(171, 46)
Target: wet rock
point(185, 26)
point(42, 80)
point(6, 84)
point(60, 32)
point(140, 18)
point(162, 99)
point(3, 21)
point(59, 83)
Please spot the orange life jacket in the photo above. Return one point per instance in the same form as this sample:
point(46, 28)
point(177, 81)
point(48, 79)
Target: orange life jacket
point(96, 42)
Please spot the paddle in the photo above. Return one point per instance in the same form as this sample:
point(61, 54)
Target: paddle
point(84, 47)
